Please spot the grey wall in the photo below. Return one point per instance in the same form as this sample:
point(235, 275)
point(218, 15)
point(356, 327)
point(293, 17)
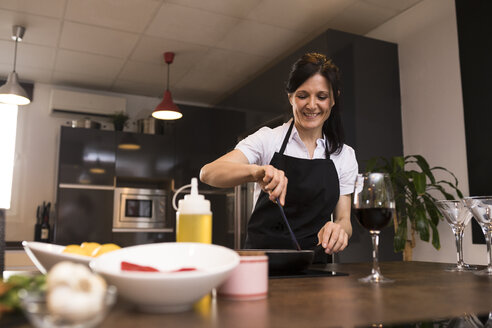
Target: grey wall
point(266, 93)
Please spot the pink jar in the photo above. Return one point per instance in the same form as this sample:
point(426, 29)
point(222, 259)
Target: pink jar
point(249, 280)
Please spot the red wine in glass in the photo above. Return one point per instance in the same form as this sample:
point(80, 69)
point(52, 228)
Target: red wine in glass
point(374, 218)
point(374, 206)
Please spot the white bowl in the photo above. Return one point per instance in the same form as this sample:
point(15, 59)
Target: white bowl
point(45, 256)
point(167, 291)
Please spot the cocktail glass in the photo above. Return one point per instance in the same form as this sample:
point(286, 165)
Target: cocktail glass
point(467, 320)
point(481, 208)
point(457, 216)
point(488, 324)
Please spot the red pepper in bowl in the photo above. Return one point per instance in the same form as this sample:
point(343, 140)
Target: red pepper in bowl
point(184, 269)
point(127, 266)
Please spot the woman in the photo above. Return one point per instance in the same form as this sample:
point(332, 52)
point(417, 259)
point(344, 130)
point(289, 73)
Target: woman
point(303, 163)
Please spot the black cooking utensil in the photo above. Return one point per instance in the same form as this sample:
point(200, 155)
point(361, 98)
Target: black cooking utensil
point(292, 236)
point(43, 210)
point(39, 215)
point(48, 208)
point(37, 226)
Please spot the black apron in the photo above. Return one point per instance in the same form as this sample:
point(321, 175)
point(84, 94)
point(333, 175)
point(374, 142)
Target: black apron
point(312, 194)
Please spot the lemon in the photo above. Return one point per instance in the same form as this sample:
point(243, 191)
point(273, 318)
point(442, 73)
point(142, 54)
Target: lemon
point(104, 248)
point(89, 247)
point(75, 249)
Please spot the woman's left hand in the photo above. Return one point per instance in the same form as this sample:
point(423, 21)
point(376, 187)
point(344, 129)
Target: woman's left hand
point(333, 237)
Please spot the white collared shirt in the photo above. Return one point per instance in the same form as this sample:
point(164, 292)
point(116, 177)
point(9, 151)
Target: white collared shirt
point(260, 146)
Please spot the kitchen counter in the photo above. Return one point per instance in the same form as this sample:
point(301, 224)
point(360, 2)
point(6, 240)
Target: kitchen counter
point(422, 291)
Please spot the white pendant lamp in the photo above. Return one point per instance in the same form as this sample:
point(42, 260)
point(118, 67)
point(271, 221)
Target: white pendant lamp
point(167, 109)
point(12, 92)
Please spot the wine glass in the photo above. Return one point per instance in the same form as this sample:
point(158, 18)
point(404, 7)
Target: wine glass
point(488, 323)
point(466, 320)
point(481, 208)
point(374, 206)
point(457, 216)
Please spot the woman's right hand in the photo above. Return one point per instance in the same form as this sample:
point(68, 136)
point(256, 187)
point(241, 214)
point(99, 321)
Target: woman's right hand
point(272, 181)
point(234, 169)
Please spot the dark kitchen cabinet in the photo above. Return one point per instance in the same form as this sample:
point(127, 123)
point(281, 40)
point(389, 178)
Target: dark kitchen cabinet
point(125, 239)
point(203, 135)
point(151, 157)
point(91, 165)
point(90, 156)
point(83, 215)
point(85, 205)
point(86, 156)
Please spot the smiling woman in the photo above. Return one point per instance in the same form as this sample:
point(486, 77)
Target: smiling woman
point(303, 165)
point(8, 127)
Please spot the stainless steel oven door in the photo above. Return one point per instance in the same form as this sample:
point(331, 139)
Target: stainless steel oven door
point(139, 210)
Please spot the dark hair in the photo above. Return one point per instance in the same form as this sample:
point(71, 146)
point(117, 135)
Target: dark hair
point(304, 68)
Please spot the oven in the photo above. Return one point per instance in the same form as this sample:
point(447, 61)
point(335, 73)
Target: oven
point(140, 210)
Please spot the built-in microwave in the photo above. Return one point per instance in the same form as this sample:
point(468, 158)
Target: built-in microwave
point(140, 210)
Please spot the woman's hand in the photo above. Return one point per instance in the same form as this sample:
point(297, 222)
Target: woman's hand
point(233, 169)
point(272, 181)
point(333, 237)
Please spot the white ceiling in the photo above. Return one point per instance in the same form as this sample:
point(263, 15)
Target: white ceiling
point(117, 45)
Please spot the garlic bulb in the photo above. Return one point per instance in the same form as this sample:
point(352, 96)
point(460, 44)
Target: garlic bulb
point(74, 292)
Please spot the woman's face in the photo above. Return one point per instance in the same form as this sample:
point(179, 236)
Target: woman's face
point(312, 103)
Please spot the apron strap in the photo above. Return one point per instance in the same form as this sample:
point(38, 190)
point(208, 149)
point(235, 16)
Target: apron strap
point(286, 138)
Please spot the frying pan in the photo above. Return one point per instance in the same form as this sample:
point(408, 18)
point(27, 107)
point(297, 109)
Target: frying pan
point(286, 260)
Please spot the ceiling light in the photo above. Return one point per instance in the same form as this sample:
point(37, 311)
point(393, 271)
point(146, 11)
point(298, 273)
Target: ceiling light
point(128, 142)
point(167, 109)
point(129, 146)
point(12, 92)
point(97, 168)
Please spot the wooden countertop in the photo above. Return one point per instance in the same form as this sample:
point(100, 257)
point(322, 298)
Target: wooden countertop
point(421, 291)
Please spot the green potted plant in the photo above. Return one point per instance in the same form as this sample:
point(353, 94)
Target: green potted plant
point(119, 120)
point(416, 189)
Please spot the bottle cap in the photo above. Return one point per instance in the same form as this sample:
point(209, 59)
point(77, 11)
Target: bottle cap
point(194, 203)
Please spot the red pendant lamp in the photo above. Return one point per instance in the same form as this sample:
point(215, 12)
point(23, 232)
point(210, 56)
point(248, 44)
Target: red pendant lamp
point(167, 109)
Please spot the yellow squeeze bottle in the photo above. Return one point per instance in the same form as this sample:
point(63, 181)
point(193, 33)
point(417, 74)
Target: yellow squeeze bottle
point(194, 218)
